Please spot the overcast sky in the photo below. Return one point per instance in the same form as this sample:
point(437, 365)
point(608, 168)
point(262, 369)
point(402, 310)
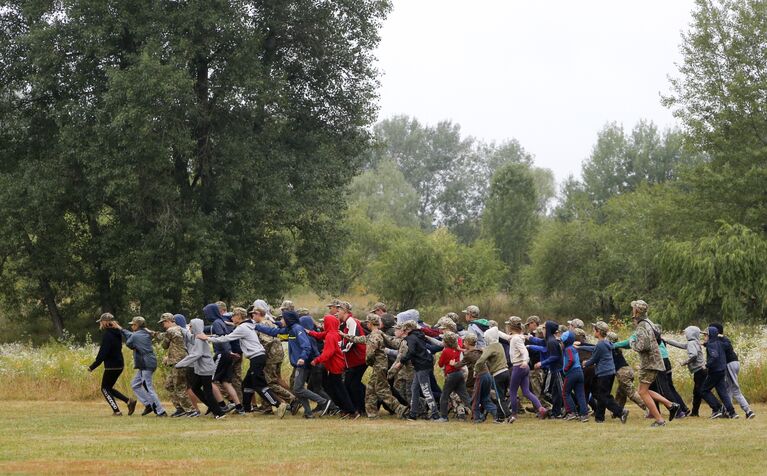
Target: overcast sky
point(548, 73)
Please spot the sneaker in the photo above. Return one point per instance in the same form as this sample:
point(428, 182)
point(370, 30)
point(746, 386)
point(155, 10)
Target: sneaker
point(131, 406)
point(193, 414)
point(716, 414)
point(163, 414)
point(529, 409)
point(498, 422)
point(570, 417)
point(511, 419)
point(656, 424)
point(441, 420)
point(228, 408)
point(294, 406)
point(681, 415)
point(147, 410)
point(179, 412)
point(281, 410)
point(240, 411)
point(309, 416)
point(624, 416)
point(410, 417)
point(694, 415)
point(543, 413)
point(354, 416)
point(673, 411)
point(584, 418)
point(117, 414)
point(220, 417)
point(733, 416)
point(750, 415)
point(325, 408)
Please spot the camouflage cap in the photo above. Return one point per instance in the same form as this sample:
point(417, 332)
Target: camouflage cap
point(472, 310)
point(379, 305)
point(453, 316)
point(580, 334)
point(539, 332)
point(287, 306)
point(450, 339)
point(445, 323)
point(409, 326)
point(533, 319)
point(513, 320)
point(374, 319)
point(601, 326)
point(139, 321)
point(562, 329)
point(577, 323)
point(106, 317)
point(334, 303)
point(470, 339)
point(346, 305)
point(492, 323)
point(639, 304)
point(302, 311)
point(612, 337)
point(166, 317)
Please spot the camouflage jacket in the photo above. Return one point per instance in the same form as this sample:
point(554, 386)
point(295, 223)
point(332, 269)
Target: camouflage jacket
point(275, 354)
point(375, 350)
point(646, 345)
point(405, 372)
point(173, 341)
point(469, 361)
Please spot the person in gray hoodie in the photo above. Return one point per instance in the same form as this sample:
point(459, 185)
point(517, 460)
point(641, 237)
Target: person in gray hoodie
point(204, 367)
point(696, 364)
point(145, 363)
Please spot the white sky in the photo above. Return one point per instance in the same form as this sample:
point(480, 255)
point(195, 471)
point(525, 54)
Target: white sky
point(548, 73)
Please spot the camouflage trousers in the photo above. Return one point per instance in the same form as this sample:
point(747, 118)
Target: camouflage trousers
point(237, 378)
point(175, 384)
point(378, 390)
point(537, 381)
point(272, 373)
point(402, 383)
point(626, 389)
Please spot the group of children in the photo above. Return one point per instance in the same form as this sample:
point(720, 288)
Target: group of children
point(558, 369)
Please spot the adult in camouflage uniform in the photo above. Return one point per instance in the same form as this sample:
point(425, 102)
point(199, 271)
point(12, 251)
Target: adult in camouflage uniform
point(172, 340)
point(376, 359)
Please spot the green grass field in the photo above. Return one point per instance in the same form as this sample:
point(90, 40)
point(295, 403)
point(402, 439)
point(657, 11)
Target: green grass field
point(83, 438)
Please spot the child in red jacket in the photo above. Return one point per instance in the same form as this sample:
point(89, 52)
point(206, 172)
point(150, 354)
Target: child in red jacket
point(455, 380)
point(333, 360)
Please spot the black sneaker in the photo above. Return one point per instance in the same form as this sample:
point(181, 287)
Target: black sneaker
point(673, 411)
point(309, 416)
point(750, 415)
point(716, 414)
point(294, 406)
point(193, 414)
point(131, 406)
point(325, 408)
point(179, 412)
point(147, 410)
point(163, 414)
point(733, 416)
point(624, 416)
point(220, 417)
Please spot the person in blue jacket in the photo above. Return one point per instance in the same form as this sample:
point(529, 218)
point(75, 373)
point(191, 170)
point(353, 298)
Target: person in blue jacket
point(553, 362)
point(145, 363)
point(602, 359)
point(573, 382)
point(300, 353)
point(716, 364)
point(224, 358)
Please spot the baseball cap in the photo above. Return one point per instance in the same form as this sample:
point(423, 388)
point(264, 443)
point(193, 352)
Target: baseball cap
point(345, 305)
point(601, 326)
point(576, 323)
point(287, 305)
point(639, 304)
point(532, 319)
point(472, 310)
point(166, 317)
point(409, 326)
point(374, 318)
point(379, 305)
point(106, 317)
point(139, 321)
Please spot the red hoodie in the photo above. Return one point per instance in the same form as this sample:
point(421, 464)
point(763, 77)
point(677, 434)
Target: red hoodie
point(355, 353)
point(331, 355)
point(446, 356)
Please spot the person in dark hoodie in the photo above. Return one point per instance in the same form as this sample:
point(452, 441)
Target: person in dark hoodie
point(300, 354)
point(573, 381)
point(716, 363)
point(315, 375)
point(223, 357)
point(733, 369)
point(145, 363)
point(423, 363)
point(203, 367)
point(333, 360)
point(110, 354)
point(553, 362)
point(602, 360)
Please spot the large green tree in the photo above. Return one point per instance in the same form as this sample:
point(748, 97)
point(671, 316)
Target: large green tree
point(180, 152)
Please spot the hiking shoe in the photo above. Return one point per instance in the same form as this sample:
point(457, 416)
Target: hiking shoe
point(131, 406)
point(656, 424)
point(570, 417)
point(624, 416)
point(750, 415)
point(325, 408)
point(294, 406)
point(193, 414)
point(716, 414)
point(220, 417)
point(673, 411)
point(179, 412)
point(147, 410)
point(281, 410)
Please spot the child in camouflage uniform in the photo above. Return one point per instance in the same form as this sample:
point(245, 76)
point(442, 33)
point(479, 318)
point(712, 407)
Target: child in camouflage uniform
point(172, 340)
point(376, 359)
point(400, 376)
point(275, 354)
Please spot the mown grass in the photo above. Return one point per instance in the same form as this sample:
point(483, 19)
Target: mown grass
point(82, 438)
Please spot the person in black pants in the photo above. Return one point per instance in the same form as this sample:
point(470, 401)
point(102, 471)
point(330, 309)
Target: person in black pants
point(110, 354)
point(200, 360)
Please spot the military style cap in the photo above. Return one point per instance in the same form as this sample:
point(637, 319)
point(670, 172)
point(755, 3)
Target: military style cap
point(166, 317)
point(374, 319)
point(379, 305)
point(345, 305)
point(139, 321)
point(601, 326)
point(472, 310)
point(106, 317)
point(409, 326)
point(513, 320)
point(612, 337)
point(580, 334)
point(532, 319)
point(470, 339)
point(302, 311)
point(577, 323)
point(639, 304)
point(287, 306)
point(562, 329)
point(445, 322)
point(450, 339)
point(334, 303)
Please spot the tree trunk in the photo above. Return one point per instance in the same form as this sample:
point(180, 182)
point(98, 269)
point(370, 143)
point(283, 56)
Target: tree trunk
point(49, 298)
